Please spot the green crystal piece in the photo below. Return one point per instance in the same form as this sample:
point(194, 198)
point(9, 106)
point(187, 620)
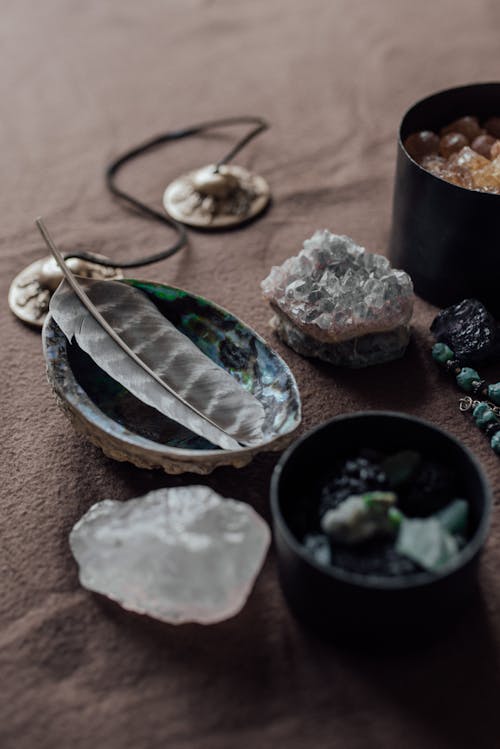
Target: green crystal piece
point(426, 542)
point(454, 517)
point(400, 467)
point(395, 517)
point(495, 442)
point(442, 353)
point(379, 499)
point(494, 393)
point(466, 377)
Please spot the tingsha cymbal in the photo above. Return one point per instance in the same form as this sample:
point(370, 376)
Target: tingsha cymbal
point(211, 198)
point(30, 291)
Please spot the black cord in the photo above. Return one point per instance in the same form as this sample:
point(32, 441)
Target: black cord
point(114, 167)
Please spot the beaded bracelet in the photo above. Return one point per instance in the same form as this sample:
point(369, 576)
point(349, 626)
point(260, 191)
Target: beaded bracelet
point(485, 413)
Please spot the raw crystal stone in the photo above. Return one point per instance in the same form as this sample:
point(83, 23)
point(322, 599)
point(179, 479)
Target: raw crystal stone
point(359, 518)
point(179, 555)
point(469, 330)
point(451, 143)
point(448, 170)
point(338, 302)
point(482, 144)
point(457, 175)
point(454, 517)
point(422, 144)
point(488, 177)
point(426, 542)
point(451, 169)
point(434, 164)
point(434, 541)
point(468, 126)
point(468, 159)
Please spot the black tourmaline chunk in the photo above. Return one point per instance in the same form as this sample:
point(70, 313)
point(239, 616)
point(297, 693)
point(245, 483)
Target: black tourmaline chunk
point(469, 330)
point(431, 489)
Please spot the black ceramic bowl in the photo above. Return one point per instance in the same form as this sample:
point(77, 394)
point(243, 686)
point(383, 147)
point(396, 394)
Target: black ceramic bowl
point(370, 608)
point(445, 236)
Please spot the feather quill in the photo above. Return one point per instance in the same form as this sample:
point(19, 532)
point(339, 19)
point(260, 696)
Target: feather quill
point(164, 369)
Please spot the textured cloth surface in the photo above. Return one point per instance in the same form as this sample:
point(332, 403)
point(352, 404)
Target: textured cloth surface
point(80, 82)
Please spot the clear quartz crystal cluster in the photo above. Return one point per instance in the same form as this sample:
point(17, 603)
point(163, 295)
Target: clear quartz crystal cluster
point(179, 555)
point(340, 303)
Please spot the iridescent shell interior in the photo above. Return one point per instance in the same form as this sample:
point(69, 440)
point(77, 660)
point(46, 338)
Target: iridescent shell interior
point(221, 336)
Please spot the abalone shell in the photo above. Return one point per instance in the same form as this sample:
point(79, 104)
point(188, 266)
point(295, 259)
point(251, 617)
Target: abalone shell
point(127, 429)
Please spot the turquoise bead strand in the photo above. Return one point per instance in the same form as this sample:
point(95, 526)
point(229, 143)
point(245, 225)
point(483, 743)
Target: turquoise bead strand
point(469, 380)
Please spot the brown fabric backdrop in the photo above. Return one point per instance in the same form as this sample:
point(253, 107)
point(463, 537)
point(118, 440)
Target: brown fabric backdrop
point(80, 82)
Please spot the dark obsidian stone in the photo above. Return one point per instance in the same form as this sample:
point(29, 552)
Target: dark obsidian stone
point(469, 330)
point(431, 489)
point(355, 476)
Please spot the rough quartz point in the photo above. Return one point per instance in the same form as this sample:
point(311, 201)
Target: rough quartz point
point(179, 555)
point(340, 303)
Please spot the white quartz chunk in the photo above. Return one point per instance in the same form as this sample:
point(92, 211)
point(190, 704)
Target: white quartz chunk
point(179, 555)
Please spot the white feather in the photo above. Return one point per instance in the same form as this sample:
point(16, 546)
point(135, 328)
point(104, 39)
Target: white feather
point(236, 415)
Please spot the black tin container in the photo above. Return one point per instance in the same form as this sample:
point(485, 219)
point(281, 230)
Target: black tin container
point(364, 608)
point(446, 237)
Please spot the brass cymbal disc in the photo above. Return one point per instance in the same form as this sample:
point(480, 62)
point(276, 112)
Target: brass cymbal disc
point(211, 199)
point(31, 289)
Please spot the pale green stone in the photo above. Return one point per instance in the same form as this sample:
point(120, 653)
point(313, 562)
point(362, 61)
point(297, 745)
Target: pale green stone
point(454, 516)
point(426, 542)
